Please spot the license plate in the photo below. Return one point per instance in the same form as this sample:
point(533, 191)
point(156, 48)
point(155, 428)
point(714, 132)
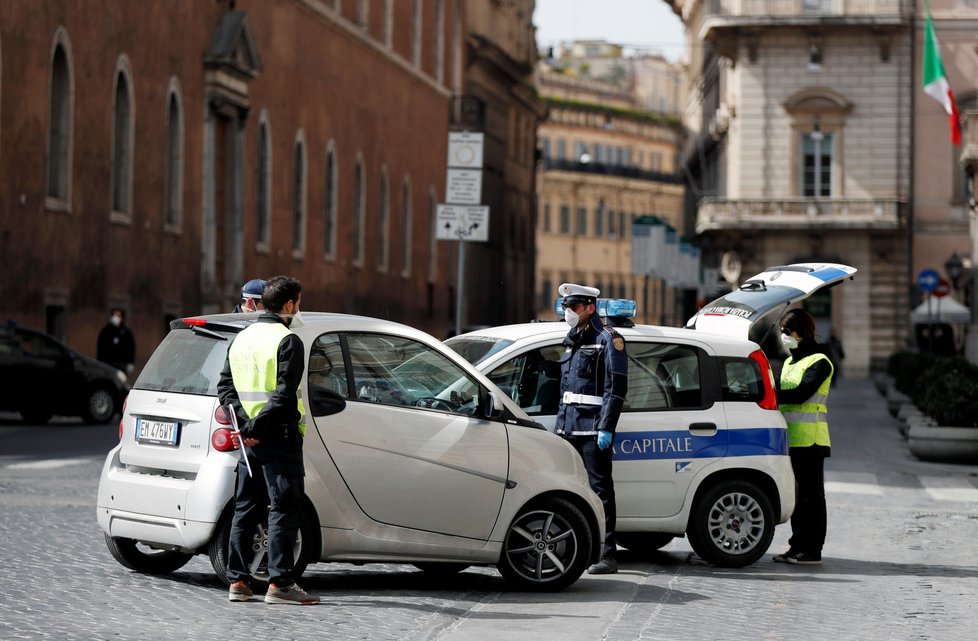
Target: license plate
point(157, 432)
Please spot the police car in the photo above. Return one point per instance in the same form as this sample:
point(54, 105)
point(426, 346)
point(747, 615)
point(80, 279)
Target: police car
point(411, 456)
point(701, 448)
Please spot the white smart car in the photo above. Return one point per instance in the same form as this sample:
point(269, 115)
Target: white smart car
point(701, 448)
point(411, 455)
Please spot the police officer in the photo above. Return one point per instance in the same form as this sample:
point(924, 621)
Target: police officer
point(260, 381)
point(251, 297)
point(594, 380)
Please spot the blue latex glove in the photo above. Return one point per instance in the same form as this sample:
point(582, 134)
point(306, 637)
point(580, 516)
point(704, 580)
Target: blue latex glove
point(604, 440)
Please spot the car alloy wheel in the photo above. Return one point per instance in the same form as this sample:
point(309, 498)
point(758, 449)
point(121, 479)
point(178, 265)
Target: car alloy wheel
point(217, 549)
point(547, 546)
point(100, 406)
point(732, 524)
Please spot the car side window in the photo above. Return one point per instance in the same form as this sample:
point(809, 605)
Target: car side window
point(393, 370)
point(740, 380)
point(532, 379)
point(663, 376)
point(39, 346)
point(327, 369)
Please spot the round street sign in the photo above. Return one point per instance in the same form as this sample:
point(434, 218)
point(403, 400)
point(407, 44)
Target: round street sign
point(928, 280)
point(943, 289)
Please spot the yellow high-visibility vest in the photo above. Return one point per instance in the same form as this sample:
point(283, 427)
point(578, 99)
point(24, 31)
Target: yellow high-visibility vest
point(808, 422)
point(254, 367)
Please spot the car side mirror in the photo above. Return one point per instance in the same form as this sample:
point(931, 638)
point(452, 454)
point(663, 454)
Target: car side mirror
point(492, 407)
point(325, 402)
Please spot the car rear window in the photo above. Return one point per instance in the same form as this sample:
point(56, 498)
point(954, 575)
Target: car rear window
point(476, 349)
point(186, 362)
point(741, 380)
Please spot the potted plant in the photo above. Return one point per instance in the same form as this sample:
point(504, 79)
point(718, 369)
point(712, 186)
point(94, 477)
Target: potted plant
point(947, 392)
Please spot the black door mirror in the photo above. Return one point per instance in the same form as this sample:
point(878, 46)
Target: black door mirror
point(325, 402)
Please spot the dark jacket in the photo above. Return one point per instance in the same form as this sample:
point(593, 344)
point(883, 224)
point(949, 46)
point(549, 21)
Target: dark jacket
point(116, 346)
point(277, 424)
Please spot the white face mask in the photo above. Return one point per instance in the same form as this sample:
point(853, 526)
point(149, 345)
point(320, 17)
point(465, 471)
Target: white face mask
point(789, 341)
point(571, 317)
point(293, 321)
point(115, 320)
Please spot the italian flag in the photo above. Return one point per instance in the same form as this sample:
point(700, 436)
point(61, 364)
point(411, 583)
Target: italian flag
point(935, 80)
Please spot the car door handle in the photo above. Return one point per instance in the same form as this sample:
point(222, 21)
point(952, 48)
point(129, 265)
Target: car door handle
point(703, 429)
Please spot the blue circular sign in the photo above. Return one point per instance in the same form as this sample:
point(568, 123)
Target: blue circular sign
point(928, 280)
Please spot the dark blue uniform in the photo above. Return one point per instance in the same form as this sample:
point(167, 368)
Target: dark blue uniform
point(594, 380)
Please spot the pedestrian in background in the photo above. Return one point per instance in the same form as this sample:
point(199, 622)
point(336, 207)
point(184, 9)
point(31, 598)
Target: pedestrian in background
point(116, 343)
point(251, 295)
point(260, 382)
point(833, 349)
point(803, 394)
point(593, 384)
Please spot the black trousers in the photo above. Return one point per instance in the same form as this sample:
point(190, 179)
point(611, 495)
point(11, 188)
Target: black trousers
point(598, 465)
point(275, 491)
point(808, 521)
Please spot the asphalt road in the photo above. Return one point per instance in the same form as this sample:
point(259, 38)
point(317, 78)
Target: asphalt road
point(901, 563)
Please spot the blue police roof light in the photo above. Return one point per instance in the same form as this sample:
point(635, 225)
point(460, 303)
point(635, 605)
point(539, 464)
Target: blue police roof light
point(611, 308)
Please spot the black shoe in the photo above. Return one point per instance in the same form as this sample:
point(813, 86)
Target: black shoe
point(804, 558)
point(607, 565)
point(785, 556)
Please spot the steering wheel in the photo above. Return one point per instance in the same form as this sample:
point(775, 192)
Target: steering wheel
point(435, 404)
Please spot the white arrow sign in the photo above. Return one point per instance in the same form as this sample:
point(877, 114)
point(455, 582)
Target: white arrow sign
point(460, 222)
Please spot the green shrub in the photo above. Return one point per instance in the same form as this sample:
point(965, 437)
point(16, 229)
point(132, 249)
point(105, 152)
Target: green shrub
point(947, 391)
point(907, 367)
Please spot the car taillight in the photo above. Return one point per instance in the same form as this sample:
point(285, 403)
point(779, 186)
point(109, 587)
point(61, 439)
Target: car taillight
point(122, 416)
point(770, 400)
point(221, 416)
point(195, 322)
point(222, 441)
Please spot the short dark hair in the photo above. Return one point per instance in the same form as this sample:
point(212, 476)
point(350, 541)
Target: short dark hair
point(121, 311)
point(800, 322)
point(278, 291)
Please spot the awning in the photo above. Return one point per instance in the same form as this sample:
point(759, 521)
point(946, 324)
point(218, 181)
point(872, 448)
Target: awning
point(941, 309)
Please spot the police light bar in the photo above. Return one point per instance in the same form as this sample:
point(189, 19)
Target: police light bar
point(613, 307)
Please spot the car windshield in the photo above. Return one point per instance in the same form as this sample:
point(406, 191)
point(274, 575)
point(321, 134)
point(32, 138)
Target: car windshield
point(186, 362)
point(476, 349)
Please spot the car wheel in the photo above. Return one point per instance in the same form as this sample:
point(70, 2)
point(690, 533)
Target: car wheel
point(732, 524)
point(547, 546)
point(433, 568)
point(144, 559)
point(217, 549)
point(36, 416)
point(643, 541)
point(99, 406)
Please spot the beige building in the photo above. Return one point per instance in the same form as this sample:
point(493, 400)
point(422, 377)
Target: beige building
point(604, 163)
point(801, 150)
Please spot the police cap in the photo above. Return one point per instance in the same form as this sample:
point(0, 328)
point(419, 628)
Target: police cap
point(253, 288)
point(578, 293)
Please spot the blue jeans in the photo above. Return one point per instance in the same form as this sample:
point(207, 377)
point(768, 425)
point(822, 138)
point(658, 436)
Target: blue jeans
point(273, 493)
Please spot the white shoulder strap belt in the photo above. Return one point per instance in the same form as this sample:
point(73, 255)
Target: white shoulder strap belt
point(582, 399)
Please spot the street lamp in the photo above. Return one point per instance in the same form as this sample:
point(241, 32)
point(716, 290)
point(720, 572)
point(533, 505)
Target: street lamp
point(954, 269)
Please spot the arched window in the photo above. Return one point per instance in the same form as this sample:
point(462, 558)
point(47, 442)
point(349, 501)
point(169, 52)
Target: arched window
point(299, 196)
point(383, 222)
point(329, 203)
point(358, 208)
point(818, 119)
point(263, 183)
point(60, 124)
point(173, 160)
point(416, 32)
point(122, 140)
point(406, 227)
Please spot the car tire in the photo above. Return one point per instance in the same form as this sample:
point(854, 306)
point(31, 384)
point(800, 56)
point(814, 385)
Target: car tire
point(643, 542)
point(732, 524)
point(435, 569)
point(36, 416)
point(99, 406)
point(547, 546)
point(217, 549)
point(130, 554)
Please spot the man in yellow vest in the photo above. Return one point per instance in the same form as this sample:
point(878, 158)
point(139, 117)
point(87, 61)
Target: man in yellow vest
point(260, 382)
point(802, 396)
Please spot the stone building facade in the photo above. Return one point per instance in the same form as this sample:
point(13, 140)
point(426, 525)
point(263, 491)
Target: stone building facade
point(605, 162)
point(157, 155)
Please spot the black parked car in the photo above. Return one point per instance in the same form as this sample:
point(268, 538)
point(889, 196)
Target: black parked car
point(42, 377)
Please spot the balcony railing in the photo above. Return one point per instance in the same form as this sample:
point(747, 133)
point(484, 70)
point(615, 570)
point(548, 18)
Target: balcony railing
point(806, 8)
point(715, 214)
point(602, 169)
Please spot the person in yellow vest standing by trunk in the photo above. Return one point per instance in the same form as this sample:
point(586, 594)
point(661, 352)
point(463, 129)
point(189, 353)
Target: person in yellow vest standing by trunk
point(803, 394)
point(260, 381)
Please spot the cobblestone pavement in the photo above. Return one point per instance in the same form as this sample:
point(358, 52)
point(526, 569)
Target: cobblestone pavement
point(901, 563)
